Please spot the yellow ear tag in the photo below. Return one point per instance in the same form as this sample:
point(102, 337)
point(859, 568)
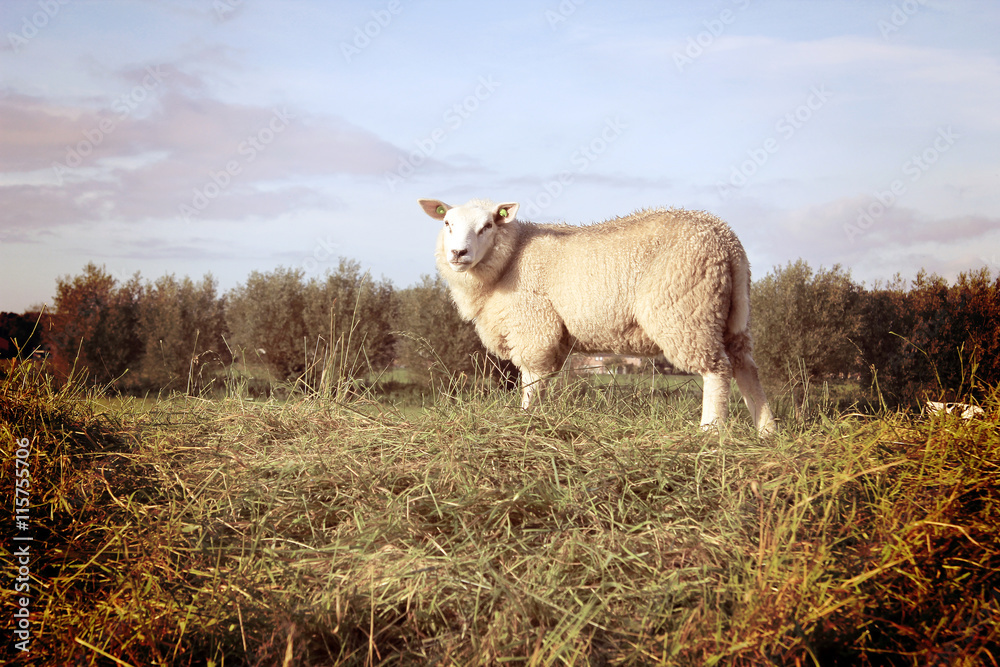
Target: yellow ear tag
point(440, 210)
point(503, 213)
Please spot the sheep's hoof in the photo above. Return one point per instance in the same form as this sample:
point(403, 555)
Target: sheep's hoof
point(768, 430)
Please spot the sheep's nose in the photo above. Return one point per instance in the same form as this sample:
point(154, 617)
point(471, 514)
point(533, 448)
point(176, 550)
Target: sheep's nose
point(455, 254)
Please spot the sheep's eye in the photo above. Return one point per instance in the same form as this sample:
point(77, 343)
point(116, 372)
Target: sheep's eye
point(488, 225)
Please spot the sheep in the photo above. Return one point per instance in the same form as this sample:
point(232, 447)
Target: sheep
point(667, 281)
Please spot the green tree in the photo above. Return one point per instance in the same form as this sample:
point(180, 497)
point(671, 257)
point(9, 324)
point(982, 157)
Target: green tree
point(436, 344)
point(265, 319)
point(349, 319)
point(803, 319)
point(319, 331)
point(181, 325)
point(434, 341)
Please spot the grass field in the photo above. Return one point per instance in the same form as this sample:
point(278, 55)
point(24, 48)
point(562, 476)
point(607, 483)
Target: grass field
point(603, 529)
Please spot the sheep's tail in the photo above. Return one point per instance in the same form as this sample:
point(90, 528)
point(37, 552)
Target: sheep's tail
point(739, 308)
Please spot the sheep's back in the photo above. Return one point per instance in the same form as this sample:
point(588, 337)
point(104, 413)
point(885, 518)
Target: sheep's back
point(593, 274)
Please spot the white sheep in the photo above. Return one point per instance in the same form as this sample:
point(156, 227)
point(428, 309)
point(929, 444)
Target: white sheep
point(671, 281)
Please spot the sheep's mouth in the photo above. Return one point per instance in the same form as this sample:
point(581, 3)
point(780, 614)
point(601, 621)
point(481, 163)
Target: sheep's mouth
point(460, 266)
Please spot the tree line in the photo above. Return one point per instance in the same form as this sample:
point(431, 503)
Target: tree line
point(903, 339)
point(137, 336)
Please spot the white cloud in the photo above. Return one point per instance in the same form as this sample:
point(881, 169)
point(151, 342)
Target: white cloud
point(73, 164)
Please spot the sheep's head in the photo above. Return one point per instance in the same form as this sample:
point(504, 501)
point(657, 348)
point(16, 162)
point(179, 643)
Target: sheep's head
point(469, 230)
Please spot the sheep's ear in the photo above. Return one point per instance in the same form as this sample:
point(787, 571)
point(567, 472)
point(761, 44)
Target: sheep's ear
point(434, 208)
point(505, 213)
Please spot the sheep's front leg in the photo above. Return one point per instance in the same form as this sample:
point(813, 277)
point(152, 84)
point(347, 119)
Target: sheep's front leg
point(715, 400)
point(531, 388)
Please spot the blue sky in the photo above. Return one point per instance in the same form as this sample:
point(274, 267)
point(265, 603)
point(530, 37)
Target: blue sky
point(227, 136)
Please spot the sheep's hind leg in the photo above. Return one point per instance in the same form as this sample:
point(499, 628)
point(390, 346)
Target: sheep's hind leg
point(715, 400)
point(748, 381)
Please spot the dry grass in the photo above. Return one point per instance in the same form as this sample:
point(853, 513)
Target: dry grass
point(603, 529)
